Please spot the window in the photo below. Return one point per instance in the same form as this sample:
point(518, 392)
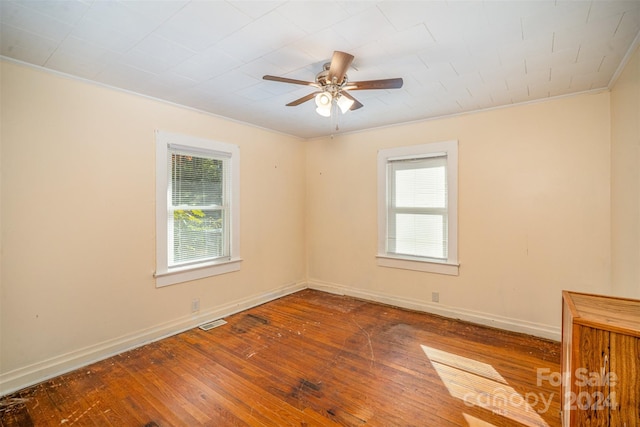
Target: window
point(197, 208)
point(417, 207)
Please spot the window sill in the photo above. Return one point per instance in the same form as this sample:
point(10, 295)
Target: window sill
point(448, 268)
point(185, 274)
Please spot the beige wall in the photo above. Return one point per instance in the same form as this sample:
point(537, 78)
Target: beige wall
point(533, 213)
point(78, 229)
point(625, 180)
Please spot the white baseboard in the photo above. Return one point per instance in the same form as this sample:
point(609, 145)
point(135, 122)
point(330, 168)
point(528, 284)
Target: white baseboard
point(501, 322)
point(41, 371)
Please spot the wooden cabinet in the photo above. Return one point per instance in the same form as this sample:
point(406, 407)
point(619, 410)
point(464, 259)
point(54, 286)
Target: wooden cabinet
point(600, 360)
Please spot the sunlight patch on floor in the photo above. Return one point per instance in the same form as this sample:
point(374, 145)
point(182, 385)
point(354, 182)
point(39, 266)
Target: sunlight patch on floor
point(463, 363)
point(476, 422)
point(479, 384)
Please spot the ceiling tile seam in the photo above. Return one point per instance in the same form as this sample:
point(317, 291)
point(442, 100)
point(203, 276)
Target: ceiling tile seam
point(619, 23)
point(45, 15)
point(589, 13)
point(275, 10)
point(272, 49)
point(232, 4)
point(55, 42)
point(152, 32)
point(193, 53)
point(429, 31)
point(54, 50)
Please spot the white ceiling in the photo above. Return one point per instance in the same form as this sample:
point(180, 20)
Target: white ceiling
point(454, 56)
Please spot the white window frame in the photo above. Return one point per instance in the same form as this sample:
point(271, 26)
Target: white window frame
point(164, 274)
point(449, 266)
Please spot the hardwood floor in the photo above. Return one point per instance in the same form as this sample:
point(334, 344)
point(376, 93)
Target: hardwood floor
point(309, 359)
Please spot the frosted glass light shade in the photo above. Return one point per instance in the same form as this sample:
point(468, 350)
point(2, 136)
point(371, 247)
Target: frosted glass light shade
point(324, 111)
point(344, 103)
point(323, 99)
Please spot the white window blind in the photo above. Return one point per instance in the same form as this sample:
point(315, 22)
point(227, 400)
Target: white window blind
point(198, 206)
point(417, 217)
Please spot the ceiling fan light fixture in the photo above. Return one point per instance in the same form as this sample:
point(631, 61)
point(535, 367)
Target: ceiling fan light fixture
point(323, 100)
point(324, 111)
point(344, 103)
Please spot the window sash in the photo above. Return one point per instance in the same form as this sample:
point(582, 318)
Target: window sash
point(417, 207)
point(428, 244)
point(197, 233)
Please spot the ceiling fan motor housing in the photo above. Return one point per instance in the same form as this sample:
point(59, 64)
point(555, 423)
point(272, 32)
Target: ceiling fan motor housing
point(322, 78)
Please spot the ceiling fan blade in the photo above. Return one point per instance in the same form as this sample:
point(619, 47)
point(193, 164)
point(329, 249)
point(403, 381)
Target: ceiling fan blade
point(287, 80)
point(340, 63)
point(375, 84)
point(356, 104)
point(303, 99)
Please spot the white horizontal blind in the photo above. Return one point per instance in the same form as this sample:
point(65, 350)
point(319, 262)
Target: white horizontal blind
point(198, 208)
point(417, 212)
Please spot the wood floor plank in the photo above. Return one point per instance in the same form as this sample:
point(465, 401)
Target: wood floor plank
point(310, 359)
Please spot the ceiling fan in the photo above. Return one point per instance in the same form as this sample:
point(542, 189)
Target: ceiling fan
point(332, 84)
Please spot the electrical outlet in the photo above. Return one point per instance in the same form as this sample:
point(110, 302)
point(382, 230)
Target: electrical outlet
point(195, 305)
point(435, 296)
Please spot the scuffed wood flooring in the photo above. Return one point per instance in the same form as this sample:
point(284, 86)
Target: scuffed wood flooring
point(309, 359)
